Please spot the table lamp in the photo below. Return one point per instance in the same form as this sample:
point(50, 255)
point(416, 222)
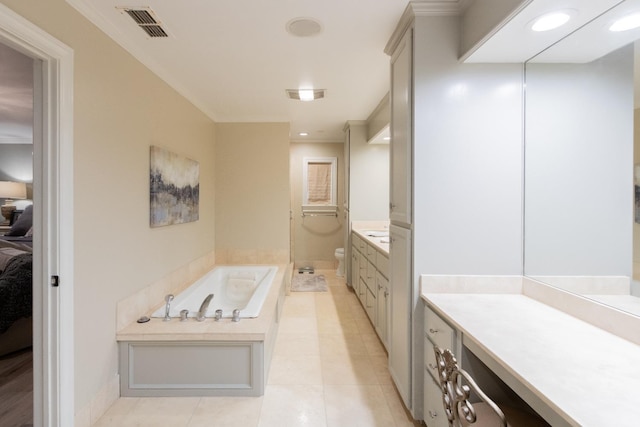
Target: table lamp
point(10, 190)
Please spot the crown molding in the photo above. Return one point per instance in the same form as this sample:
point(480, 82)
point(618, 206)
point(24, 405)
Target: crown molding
point(423, 8)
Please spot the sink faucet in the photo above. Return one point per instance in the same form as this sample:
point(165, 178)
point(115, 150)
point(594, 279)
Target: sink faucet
point(167, 306)
point(203, 308)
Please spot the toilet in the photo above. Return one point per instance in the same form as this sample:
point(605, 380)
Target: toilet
point(340, 257)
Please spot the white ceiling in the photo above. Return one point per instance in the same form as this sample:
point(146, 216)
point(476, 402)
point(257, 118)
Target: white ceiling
point(234, 59)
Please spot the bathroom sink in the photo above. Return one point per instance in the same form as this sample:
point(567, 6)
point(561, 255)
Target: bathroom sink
point(376, 233)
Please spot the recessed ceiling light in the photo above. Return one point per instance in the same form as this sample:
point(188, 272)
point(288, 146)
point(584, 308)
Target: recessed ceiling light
point(304, 134)
point(552, 20)
point(626, 23)
point(303, 27)
point(305, 94)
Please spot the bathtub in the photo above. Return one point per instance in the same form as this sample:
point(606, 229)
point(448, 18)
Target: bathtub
point(233, 287)
point(209, 358)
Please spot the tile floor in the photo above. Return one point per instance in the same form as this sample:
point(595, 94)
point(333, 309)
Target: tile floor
point(329, 370)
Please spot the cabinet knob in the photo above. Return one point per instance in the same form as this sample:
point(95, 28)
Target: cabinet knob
point(430, 365)
point(386, 294)
point(433, 414)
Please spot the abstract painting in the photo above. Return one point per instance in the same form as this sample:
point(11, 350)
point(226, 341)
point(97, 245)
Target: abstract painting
point(174, 184)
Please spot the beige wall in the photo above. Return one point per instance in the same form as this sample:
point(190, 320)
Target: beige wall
point(252, 192)
point(315, 239)
point(120, 109)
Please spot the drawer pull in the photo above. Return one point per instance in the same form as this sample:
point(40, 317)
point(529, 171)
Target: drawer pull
point(433, 331)
point(433, 414)
point(430, 365)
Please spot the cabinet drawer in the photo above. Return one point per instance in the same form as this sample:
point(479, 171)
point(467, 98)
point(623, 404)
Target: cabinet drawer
point(371, 276)
point(382, 262)
point(430, 359)
point(355, 240)
point(371, 253)
point(434, 415)
point(370, 305)
point(438, 331)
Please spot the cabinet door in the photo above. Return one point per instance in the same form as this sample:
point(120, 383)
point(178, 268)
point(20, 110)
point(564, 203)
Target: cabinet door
point(400, 311)
point(400, 209)
point(355, 267)
point(382, 287)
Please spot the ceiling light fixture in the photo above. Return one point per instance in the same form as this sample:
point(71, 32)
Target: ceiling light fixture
point(626, 23)
point(552, 20)
point(303, 134)
point(303, 27)
point(306, 94)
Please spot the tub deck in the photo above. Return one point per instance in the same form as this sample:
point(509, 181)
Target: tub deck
point(209, 358)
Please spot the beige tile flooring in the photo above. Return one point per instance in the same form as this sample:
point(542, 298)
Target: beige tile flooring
point(329, 370)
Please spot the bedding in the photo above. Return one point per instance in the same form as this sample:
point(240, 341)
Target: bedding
point(16, 265)
point(16, 283)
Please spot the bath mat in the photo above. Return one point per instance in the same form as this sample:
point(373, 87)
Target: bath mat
point(308, 283)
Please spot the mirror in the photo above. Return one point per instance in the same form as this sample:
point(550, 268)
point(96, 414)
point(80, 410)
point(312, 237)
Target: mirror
point(579, 164)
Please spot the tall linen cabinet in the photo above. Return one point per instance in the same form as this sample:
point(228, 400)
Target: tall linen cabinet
point(456, 176)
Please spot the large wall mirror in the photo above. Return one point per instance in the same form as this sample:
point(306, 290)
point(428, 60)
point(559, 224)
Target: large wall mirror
point(582, 230)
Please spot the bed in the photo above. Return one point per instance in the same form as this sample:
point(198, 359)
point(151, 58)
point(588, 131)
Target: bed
point(16, 284)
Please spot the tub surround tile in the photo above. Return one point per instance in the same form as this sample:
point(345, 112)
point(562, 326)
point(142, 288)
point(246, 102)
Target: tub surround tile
point(150, 298)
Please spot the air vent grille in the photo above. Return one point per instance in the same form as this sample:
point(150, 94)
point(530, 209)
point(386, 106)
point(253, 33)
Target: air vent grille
point(141, 16)
point(154, 30)
point(147, 22)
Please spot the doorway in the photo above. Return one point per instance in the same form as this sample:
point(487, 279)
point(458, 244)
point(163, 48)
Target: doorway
point(316, 221)
point(52, 308)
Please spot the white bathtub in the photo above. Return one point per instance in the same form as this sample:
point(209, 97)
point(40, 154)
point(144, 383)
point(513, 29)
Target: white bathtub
point(234, 287)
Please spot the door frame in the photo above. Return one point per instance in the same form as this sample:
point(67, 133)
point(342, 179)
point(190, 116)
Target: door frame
point(53, 341)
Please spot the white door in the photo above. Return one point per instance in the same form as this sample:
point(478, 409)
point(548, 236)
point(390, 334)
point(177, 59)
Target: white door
point(53, 217)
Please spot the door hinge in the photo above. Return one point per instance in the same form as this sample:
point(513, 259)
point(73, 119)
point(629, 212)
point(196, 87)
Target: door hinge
point(55, 281)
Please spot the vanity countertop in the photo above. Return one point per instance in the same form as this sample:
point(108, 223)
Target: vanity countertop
point(583, 374)
point(376, 237)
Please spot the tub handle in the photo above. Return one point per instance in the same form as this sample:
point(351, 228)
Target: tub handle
point(218, 314)
point(236, 315)
point(183, 315)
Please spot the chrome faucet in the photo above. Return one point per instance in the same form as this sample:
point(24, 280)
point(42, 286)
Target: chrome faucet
point(167, 306)
point(203, 308)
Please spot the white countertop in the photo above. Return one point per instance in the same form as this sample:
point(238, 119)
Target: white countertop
point(381, 243)
point(587, 376)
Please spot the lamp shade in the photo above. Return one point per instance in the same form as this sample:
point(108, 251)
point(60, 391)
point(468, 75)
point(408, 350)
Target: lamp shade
point(13, 190)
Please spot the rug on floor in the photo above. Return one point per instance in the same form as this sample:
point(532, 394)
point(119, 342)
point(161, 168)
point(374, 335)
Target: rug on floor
point(309, 283)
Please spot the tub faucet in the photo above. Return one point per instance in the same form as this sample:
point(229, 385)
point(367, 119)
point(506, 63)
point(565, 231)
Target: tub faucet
point(203, 308)
point(167, 306)
point(236, 315)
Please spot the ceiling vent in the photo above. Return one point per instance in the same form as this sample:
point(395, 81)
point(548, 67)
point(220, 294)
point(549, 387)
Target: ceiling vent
point(306, 94)
point(146, 20)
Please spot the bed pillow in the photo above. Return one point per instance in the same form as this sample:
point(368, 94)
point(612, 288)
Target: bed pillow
point(23, 223)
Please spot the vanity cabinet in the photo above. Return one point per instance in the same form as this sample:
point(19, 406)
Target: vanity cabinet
point(436, 332)
point(400, 206)
point(371, 283)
